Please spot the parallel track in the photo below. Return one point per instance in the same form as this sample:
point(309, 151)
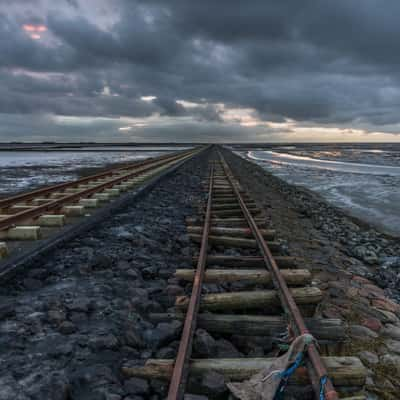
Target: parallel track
point(23, 216)
point(233, 220)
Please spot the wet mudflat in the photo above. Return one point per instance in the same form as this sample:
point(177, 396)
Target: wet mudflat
point(364, 181)
point(27, 170)
point(356, 266)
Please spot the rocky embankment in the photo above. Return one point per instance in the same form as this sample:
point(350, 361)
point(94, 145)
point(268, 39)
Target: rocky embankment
point(357, 267)
point(70, 322)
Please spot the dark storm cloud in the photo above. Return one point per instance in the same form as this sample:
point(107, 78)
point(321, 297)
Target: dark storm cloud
point(311, 61)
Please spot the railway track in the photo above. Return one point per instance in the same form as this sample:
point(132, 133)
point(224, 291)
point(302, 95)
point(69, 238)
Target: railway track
point(44, 212)
point(265, 295)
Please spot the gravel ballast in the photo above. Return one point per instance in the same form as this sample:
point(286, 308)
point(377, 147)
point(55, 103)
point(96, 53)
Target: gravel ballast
point(69, 323)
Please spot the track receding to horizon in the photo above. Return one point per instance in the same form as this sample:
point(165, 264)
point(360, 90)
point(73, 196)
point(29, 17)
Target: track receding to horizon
point(41, 214)
point(265, 294)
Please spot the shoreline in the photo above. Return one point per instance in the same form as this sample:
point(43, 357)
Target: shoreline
point(73, 319)
point(356, 238)
point(81, 172)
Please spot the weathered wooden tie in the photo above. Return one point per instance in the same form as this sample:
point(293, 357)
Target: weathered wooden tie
point(268, 234)
point(344, 371)
point(296, 277)
point(21, 233)
point(267, 300)
point(234, 242)
point(323, 329)
point(250, 261)
point(226, 222)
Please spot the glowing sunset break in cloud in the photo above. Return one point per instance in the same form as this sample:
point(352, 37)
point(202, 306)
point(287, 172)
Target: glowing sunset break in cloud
point(34, 30)
point(185, 70)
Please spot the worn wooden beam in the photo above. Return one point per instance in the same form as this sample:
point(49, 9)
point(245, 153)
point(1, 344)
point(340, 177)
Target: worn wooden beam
point(323, 329)
point(234, 213)
point(293, 277)
point(226, 222)
point(267, 300)
point(231, 206)
point(250, 261)
point(21, 233)
point(51, 220)
point(268, 234)
point(344, 371)
point(234, 242)
point(73, 211)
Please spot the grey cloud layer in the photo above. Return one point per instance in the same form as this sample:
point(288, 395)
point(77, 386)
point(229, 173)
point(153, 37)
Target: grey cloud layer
point(311, 61)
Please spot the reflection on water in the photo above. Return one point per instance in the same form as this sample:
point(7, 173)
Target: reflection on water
point(21, 170)
point(368, 191)
point(340, 166)
point(69, 159)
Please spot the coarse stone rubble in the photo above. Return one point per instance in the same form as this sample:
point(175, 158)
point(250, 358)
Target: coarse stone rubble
point(71, 320)
point(356, 266)
point(70, 323)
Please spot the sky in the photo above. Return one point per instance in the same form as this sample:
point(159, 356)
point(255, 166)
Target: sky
point(202, 71)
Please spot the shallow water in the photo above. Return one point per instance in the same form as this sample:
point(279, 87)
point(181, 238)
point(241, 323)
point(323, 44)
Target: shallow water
point(23, 170)
point(309, 162)
point(368, 191)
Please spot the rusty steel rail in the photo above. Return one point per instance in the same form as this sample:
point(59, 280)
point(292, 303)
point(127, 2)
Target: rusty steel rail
point(316, 367)
point(180, 371)
point(49, 189)
point(36, 211)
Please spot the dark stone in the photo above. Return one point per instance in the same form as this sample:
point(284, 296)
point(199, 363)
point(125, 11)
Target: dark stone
point(38, 273)
point(195, 397)
point(213, 384)
point(174, 290)
point(226, 349)
point(79, 305)
point(166, 352)
point(78, 317)
point(159, 387)
point(134, 339)
point(103, 342)
point(32, 284)
point(63, 349)
point(7, 308)
point(49, 385)
point(149, 272)
point(10, 389)
point(164, 273)
point(163, 333)
point(204, 344)
point(132, 274)
point(67, 327)
point(56, 316)
point(136, 386)
point(101, 261)
point(123, 265)
point(84, 379)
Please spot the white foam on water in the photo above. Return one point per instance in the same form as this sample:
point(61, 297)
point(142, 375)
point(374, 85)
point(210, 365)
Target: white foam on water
point(368, 191)
point(309, 162)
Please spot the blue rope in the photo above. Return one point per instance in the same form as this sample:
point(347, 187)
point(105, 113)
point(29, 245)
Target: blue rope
point(322, 383)
point(285, 375)
point(289, 372)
